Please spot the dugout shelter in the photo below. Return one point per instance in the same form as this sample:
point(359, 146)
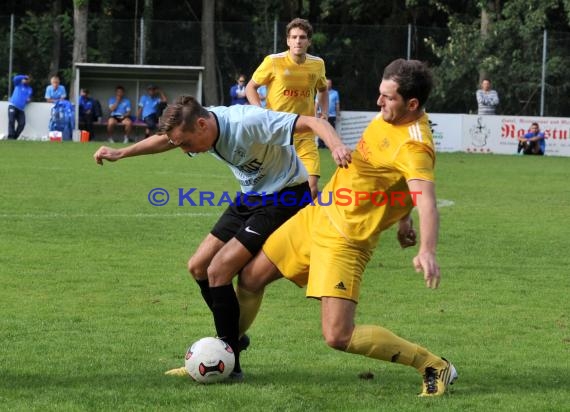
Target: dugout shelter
point(102, 79)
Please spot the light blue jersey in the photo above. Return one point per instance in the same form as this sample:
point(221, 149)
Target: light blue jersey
point(149, 105)
point(122, 109)
point(257, 145)
point(56, 94)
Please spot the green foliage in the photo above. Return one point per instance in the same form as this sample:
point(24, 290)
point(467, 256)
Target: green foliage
point(97, 303)
point(511, 55)
point(33, 42)
point(356, 38)
point(456, 73)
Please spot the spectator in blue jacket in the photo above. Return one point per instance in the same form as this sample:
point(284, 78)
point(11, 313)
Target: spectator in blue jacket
point(237, 92)
point(21, 96)
point(533, 142)
point(149, 110)
point(88, 112)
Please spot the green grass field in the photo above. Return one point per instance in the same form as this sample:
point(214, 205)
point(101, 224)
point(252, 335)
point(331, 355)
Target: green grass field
point(96, 303)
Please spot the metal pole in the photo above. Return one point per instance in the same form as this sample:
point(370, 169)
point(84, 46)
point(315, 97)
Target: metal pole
point(409, 41)
point(10, 56)
point(275, 35)
point(135, 42)
point(77, 93)
point(141, 43)
point(543, 80)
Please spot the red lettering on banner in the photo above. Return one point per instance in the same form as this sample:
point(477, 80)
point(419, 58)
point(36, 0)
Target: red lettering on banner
point(556, 134)
point(510, 131)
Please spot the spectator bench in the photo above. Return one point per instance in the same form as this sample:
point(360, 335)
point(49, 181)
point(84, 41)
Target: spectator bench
point(100, 129)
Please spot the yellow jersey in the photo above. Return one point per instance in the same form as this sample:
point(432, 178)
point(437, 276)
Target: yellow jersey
point(372, 194)
point(291, 87)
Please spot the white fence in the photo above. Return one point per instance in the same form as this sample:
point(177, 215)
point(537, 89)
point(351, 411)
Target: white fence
point(472, 133)
point(452, 132)
point(37, 120)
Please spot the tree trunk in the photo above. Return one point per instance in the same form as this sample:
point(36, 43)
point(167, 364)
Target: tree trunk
point(148, 15)
point(56, 45)
point(486, 27)
point(209, 53)
point(80, 11)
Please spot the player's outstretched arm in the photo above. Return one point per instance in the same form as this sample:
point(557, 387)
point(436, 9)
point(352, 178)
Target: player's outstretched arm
point(426, 261)
point(339, 151)
point(154, 144)
point(251, 93)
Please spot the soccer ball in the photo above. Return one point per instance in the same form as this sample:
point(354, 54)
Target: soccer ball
point(209, 360)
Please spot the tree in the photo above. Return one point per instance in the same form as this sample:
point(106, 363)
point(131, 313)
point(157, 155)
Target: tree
point(56, 43)
point(509, 52)
point(80, 10)
point(209, 52)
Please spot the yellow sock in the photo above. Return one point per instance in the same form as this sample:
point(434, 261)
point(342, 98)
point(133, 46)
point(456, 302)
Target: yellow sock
point(249, 303)
point(379, 343)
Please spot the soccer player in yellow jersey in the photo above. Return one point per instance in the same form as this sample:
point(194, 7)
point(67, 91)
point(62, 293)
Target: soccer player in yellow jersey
point(327, 246)
point(292, 78)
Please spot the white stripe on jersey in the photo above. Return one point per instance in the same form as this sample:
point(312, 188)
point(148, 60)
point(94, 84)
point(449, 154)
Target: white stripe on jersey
point(415, 132)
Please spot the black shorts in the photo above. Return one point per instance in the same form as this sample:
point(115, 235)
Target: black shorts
point(252, 220)
point(151, 121)
point(119, 119)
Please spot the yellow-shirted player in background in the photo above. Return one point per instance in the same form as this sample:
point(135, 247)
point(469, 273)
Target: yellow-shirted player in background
point(327, 246)
point(292, 79)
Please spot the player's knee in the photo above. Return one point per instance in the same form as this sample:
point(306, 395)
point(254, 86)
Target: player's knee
point(219, 276)
point(336, 340)
point(197, 270)
point(247, 281)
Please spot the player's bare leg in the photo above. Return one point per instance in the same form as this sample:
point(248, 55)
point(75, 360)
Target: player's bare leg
point(376, 342)
point(257, 274)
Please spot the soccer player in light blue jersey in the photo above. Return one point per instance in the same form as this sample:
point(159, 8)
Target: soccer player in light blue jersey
point(257, 145)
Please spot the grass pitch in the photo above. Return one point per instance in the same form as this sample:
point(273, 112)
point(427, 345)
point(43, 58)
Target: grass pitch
point(96, 303)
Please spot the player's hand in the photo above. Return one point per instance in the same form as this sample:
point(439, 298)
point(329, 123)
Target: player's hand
point(106, 153)
point(406, 233)
point(425, 262)
point(342, 155)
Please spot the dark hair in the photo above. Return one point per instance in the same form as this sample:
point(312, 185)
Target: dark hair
point(120, 87)
point(534, 124)
point(184, 111)
point(300, 24)
point(413, 77)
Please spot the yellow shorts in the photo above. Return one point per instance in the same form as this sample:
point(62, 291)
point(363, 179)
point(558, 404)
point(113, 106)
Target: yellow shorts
point(308, 152)
point(310, 252)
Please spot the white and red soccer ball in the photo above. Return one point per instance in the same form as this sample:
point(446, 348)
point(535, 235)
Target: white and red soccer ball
point(209, 360)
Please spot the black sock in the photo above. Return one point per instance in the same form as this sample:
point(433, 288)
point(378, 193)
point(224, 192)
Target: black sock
point(225, 307)
point(205, 290)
